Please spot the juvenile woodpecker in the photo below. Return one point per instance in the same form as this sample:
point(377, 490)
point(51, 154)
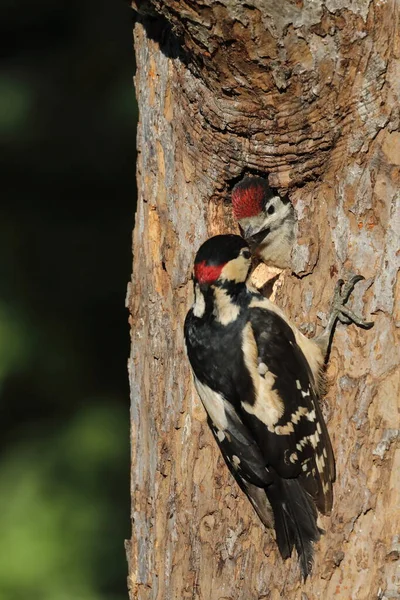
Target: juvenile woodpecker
point(258, 379)
point(265, 219)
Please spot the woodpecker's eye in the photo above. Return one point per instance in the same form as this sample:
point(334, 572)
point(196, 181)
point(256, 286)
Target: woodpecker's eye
point(246, 253)
point(271, 210)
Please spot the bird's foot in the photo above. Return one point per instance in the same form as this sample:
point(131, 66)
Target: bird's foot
point(340, 312)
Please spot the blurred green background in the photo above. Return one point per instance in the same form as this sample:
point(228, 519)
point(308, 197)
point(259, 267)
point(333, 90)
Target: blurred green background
point(67, 152)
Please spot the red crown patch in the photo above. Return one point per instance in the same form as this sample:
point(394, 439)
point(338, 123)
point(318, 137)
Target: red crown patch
point(248, 201)
point(207, 273)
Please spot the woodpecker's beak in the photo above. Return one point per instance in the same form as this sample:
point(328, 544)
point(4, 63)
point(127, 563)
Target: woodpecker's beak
point(254, 237)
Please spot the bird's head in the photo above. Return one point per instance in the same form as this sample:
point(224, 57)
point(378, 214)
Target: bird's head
point(222, 260)
point(259, 210)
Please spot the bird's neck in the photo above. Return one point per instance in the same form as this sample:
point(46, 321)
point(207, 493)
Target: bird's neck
point(221, 302)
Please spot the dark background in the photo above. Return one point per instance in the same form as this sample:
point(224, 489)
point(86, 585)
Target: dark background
point(67, 152)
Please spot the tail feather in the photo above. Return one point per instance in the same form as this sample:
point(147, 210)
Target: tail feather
point(259, 500)
point(295, 518)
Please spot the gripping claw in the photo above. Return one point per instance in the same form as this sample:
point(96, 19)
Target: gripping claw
point(341, 312)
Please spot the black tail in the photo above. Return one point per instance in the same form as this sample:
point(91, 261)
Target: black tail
point(295, 521)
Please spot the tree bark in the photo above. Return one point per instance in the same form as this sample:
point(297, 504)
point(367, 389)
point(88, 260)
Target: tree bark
point(306, 93)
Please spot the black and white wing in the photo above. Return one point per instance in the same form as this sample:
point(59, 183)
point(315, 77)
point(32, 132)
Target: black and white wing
point(282, 410)
point(247, 465)
point(239, 449)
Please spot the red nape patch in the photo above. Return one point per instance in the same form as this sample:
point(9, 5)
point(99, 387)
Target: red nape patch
point(247, 202)
point(206, 273)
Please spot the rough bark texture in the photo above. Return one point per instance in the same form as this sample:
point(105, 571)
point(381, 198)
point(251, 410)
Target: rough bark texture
point(308, 93)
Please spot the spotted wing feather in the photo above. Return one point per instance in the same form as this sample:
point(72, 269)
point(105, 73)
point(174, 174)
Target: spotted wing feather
point(247, 465)
point(239, 448)
point(298, 445)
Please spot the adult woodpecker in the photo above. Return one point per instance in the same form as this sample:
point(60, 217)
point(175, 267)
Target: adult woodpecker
point(265, 219)
point(259, 380)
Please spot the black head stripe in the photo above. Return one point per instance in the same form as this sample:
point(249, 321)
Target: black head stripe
point(220, 249)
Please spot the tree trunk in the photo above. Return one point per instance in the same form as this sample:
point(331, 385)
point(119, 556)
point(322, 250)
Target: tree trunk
point(306, 93)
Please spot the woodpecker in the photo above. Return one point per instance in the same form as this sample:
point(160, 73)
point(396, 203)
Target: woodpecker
point(258, 378)
point(265, 219)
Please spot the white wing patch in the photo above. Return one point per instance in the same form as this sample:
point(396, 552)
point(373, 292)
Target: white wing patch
point(311, 416)
point(262, 369)
point(220, 435)
point(320, 463)
point(268, 407)
point(235, 461)
point(314, 440)
point(296, 416)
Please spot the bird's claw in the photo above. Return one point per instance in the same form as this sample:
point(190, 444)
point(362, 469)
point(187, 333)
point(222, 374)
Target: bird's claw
point(340, 312)
point(341, 295)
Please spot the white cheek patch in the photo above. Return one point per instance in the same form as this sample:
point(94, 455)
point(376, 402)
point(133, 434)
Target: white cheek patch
point(236, 270)
point(281, 213)
point(273, 221)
